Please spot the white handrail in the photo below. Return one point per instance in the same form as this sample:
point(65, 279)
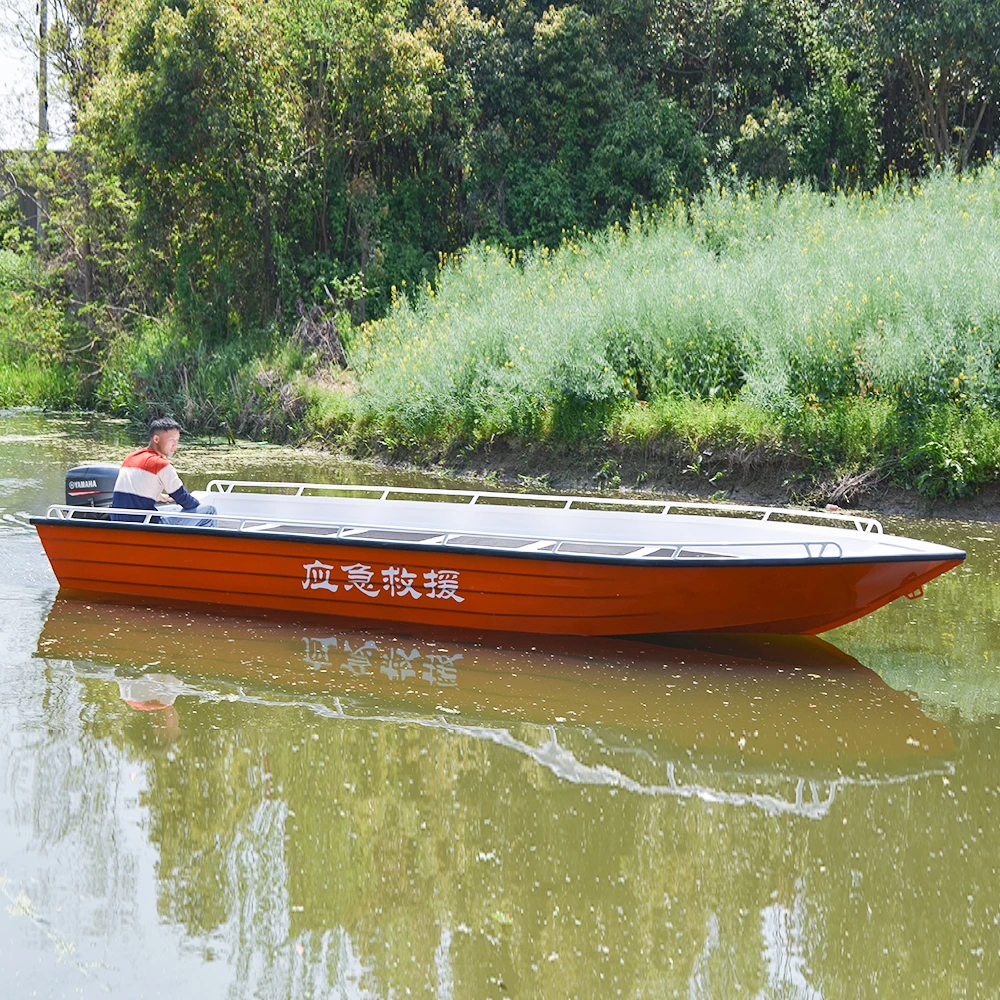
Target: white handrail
point(863, 524)
point(812, 550)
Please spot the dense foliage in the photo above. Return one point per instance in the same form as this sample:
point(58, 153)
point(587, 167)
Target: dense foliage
point(238, 165)
point(234, 156)
point(792, 303)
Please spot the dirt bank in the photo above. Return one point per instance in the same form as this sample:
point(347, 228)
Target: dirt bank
point(755, 476)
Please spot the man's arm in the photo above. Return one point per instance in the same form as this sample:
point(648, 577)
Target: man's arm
point(185, 499)
point(173, 486)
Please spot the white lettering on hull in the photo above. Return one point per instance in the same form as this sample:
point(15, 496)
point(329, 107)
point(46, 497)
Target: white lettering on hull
point(396, 581)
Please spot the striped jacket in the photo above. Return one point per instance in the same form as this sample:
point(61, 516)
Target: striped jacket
point(144, 475)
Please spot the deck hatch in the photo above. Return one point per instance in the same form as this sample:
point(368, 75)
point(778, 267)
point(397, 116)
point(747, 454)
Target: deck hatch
point(599, 548)
point(392, 534)
point(495, 541)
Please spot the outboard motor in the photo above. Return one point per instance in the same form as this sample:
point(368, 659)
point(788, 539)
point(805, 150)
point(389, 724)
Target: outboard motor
point(91, 485)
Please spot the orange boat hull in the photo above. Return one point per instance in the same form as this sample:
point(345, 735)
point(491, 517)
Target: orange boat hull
point(476, 590)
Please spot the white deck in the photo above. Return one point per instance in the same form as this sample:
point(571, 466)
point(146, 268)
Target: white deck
point(585, 526)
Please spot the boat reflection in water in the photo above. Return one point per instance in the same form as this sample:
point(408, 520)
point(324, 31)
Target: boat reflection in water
point(777, 723)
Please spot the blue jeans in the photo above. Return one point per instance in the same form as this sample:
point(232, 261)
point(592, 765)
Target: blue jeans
point(188, 522)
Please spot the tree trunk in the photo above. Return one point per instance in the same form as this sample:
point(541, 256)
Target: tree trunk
point(43, 73)
point(41, 206)
point(969, 139)
point(933, 104)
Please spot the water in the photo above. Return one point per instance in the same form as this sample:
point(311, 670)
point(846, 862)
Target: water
point(266, 808)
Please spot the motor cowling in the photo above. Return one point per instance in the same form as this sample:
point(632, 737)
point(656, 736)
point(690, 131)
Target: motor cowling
point(91, 485)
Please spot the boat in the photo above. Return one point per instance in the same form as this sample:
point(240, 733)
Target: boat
point(513, 562)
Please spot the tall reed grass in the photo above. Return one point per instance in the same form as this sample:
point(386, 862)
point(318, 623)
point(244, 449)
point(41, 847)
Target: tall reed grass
point(789, 302)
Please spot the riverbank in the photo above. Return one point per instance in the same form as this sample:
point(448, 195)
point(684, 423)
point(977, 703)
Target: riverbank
point(733, 475)
point(858, 455)
point(848, 341)
point(759, 476)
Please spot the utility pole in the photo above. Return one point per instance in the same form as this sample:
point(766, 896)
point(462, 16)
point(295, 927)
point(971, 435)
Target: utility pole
point(43, 107)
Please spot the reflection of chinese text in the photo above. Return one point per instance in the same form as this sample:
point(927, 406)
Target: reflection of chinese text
point(399, 665)
point(318, 651)
point(397, 581)
point(396, 663)
point(359, 660)
point(440, 670)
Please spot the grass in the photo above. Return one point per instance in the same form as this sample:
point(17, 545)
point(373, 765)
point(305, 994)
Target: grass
point(731, 423)
point(328, 414)
point(857, 328)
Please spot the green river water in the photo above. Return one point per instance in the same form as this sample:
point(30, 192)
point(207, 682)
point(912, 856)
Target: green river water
point(242, 807)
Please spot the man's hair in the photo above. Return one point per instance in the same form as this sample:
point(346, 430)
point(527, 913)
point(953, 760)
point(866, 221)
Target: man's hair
point(161, 424)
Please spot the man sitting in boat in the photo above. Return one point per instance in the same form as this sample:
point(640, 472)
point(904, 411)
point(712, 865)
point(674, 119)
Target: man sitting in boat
point(147, 476)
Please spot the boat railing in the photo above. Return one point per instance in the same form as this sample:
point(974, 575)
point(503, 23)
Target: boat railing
point(867, 525)
point(492, 541)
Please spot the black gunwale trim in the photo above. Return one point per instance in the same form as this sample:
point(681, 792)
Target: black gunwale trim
point(943, 553)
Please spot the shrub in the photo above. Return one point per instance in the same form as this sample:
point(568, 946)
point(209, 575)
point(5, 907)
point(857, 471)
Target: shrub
point(36, 368)
point(855, 322)
point(238, 387)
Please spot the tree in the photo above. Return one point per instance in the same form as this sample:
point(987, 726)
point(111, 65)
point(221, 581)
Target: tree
point(196, 115)
point(78, 46)
point(949, 51)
